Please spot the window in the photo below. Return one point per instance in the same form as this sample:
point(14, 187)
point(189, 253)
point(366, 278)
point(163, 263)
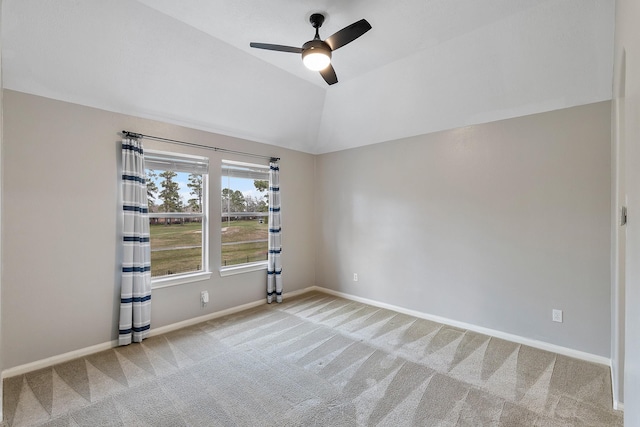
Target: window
point(177, 197)
point(245, 213)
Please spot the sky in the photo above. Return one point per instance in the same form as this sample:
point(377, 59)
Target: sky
point(244, 185)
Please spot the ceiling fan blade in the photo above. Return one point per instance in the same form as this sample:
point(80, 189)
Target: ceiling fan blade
point(329, 75)
point(278, 47)
point(348, 34)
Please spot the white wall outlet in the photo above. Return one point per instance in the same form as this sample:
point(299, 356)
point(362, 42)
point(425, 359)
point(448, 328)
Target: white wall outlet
point(355, 277)
point(204, 297)
point(556, 315)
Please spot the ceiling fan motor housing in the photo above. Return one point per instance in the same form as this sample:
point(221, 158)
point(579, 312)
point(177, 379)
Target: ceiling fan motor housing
point(316, 19)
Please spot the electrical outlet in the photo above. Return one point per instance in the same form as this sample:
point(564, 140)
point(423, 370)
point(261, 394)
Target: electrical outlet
point(204, 297)
point(355, 277)
point(556, 315)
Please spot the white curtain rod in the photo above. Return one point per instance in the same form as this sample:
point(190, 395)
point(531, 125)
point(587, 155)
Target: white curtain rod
point(129, 134)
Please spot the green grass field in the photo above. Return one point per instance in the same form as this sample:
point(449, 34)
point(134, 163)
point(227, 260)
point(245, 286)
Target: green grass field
point(176, 248)
point(244, 231)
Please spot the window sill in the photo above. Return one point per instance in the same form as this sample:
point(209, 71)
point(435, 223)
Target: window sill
point(181, 279)
point(243, 268)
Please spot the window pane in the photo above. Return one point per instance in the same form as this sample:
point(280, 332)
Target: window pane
point(244, 241)
point(176, 190)
point(176, 247)
point(245, 210)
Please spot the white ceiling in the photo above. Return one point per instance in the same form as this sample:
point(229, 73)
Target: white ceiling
point(426, 65)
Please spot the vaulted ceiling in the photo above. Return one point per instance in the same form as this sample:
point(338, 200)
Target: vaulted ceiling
point(427, 65)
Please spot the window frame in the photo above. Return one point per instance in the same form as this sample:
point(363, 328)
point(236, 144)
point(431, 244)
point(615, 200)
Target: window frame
point(202, 167)
point(244, 267)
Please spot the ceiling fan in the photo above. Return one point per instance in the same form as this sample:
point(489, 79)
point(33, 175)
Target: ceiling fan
point(316, 53)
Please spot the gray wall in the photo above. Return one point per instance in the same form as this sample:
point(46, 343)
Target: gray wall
point(61, 231)
point(494, 225)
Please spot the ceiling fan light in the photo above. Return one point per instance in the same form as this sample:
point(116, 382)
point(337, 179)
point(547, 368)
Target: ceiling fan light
point(316, 59)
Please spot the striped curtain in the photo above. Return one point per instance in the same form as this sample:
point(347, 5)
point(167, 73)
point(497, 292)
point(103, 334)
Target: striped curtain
point(135, 300)
point(274, 266)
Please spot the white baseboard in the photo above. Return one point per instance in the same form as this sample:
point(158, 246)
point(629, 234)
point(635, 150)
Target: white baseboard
point(588, 357)
point(194, 321)
point(65, 357)
point(60, 358)
point(479, 329)
point(54, 360)
point(218, 314)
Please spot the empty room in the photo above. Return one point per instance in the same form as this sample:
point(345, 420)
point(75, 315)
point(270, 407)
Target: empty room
point(320, 213)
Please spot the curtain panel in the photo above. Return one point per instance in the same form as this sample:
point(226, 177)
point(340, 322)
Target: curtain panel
point(135, 299)
point(274, 266)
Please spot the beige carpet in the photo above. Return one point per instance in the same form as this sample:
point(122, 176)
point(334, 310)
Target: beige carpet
point(316, 360)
